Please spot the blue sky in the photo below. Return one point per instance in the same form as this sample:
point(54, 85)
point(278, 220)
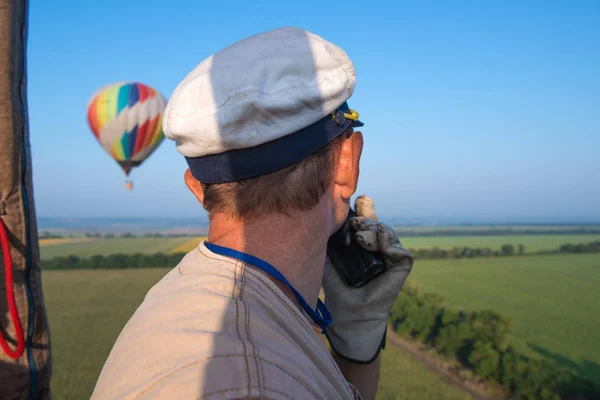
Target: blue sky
point(473, 110)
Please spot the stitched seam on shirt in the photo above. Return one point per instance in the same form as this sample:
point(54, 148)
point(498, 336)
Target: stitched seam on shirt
point(291, 376)
point(248, 335)
point(162, 378)
point(217, 259)
point(241, 300)
point(294, 311)
point(355, 392)
point(263, 279)
point(278, 392)
point(219, 275)
point(236, 264)
point(237, 326)
point(340, 375)
point(238, 388)
point(335, 366)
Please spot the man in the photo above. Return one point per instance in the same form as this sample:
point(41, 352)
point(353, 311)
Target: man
point(274, 159)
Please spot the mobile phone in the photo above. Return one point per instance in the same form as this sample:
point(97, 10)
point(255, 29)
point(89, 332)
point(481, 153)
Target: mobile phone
point(356, 265)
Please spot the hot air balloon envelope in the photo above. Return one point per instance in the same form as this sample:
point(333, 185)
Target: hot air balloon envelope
point(126, 118)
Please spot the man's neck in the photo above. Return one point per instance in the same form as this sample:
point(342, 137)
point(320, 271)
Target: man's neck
point(295, 245)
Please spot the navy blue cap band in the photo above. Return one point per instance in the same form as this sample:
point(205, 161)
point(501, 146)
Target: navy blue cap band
point(240, 164)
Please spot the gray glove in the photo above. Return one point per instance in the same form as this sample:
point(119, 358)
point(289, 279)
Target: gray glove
point(360, 315)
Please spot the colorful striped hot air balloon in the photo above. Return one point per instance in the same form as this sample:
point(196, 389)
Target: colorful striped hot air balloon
point(126, 118)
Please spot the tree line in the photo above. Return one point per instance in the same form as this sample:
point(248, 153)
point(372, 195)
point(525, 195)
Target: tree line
point(114, 261)
point(161, 260)
point(468, 252)
point(477, 340)
point(506, 250)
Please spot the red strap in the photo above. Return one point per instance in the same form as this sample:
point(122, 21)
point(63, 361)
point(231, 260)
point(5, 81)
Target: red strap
point(10, 297)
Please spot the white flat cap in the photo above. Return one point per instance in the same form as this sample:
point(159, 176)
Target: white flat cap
point(260, 105)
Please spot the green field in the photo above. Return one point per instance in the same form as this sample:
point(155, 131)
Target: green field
point(532, 243)
point(86, 312)
point(92, 247)
point(553, 301)
point(88, 309)
point(404, 378)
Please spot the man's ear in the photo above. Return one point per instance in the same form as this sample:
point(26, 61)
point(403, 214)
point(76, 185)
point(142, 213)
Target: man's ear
point(194, 186)
point(348, 168)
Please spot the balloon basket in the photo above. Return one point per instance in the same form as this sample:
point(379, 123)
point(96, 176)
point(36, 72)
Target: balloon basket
point(129, 185)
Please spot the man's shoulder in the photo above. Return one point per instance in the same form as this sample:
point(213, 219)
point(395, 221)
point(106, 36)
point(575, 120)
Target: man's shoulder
point(213, 327)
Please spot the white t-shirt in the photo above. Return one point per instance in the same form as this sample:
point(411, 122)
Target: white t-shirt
point(214, 328)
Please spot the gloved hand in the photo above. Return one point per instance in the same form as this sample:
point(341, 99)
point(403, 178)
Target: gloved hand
point(360, 315)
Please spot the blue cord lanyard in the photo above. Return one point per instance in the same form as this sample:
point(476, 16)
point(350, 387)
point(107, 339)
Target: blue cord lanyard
point(320, 316)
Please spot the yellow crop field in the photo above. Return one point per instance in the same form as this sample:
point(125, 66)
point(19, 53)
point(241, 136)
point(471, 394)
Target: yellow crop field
point(188, 246)
point(53, 241)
